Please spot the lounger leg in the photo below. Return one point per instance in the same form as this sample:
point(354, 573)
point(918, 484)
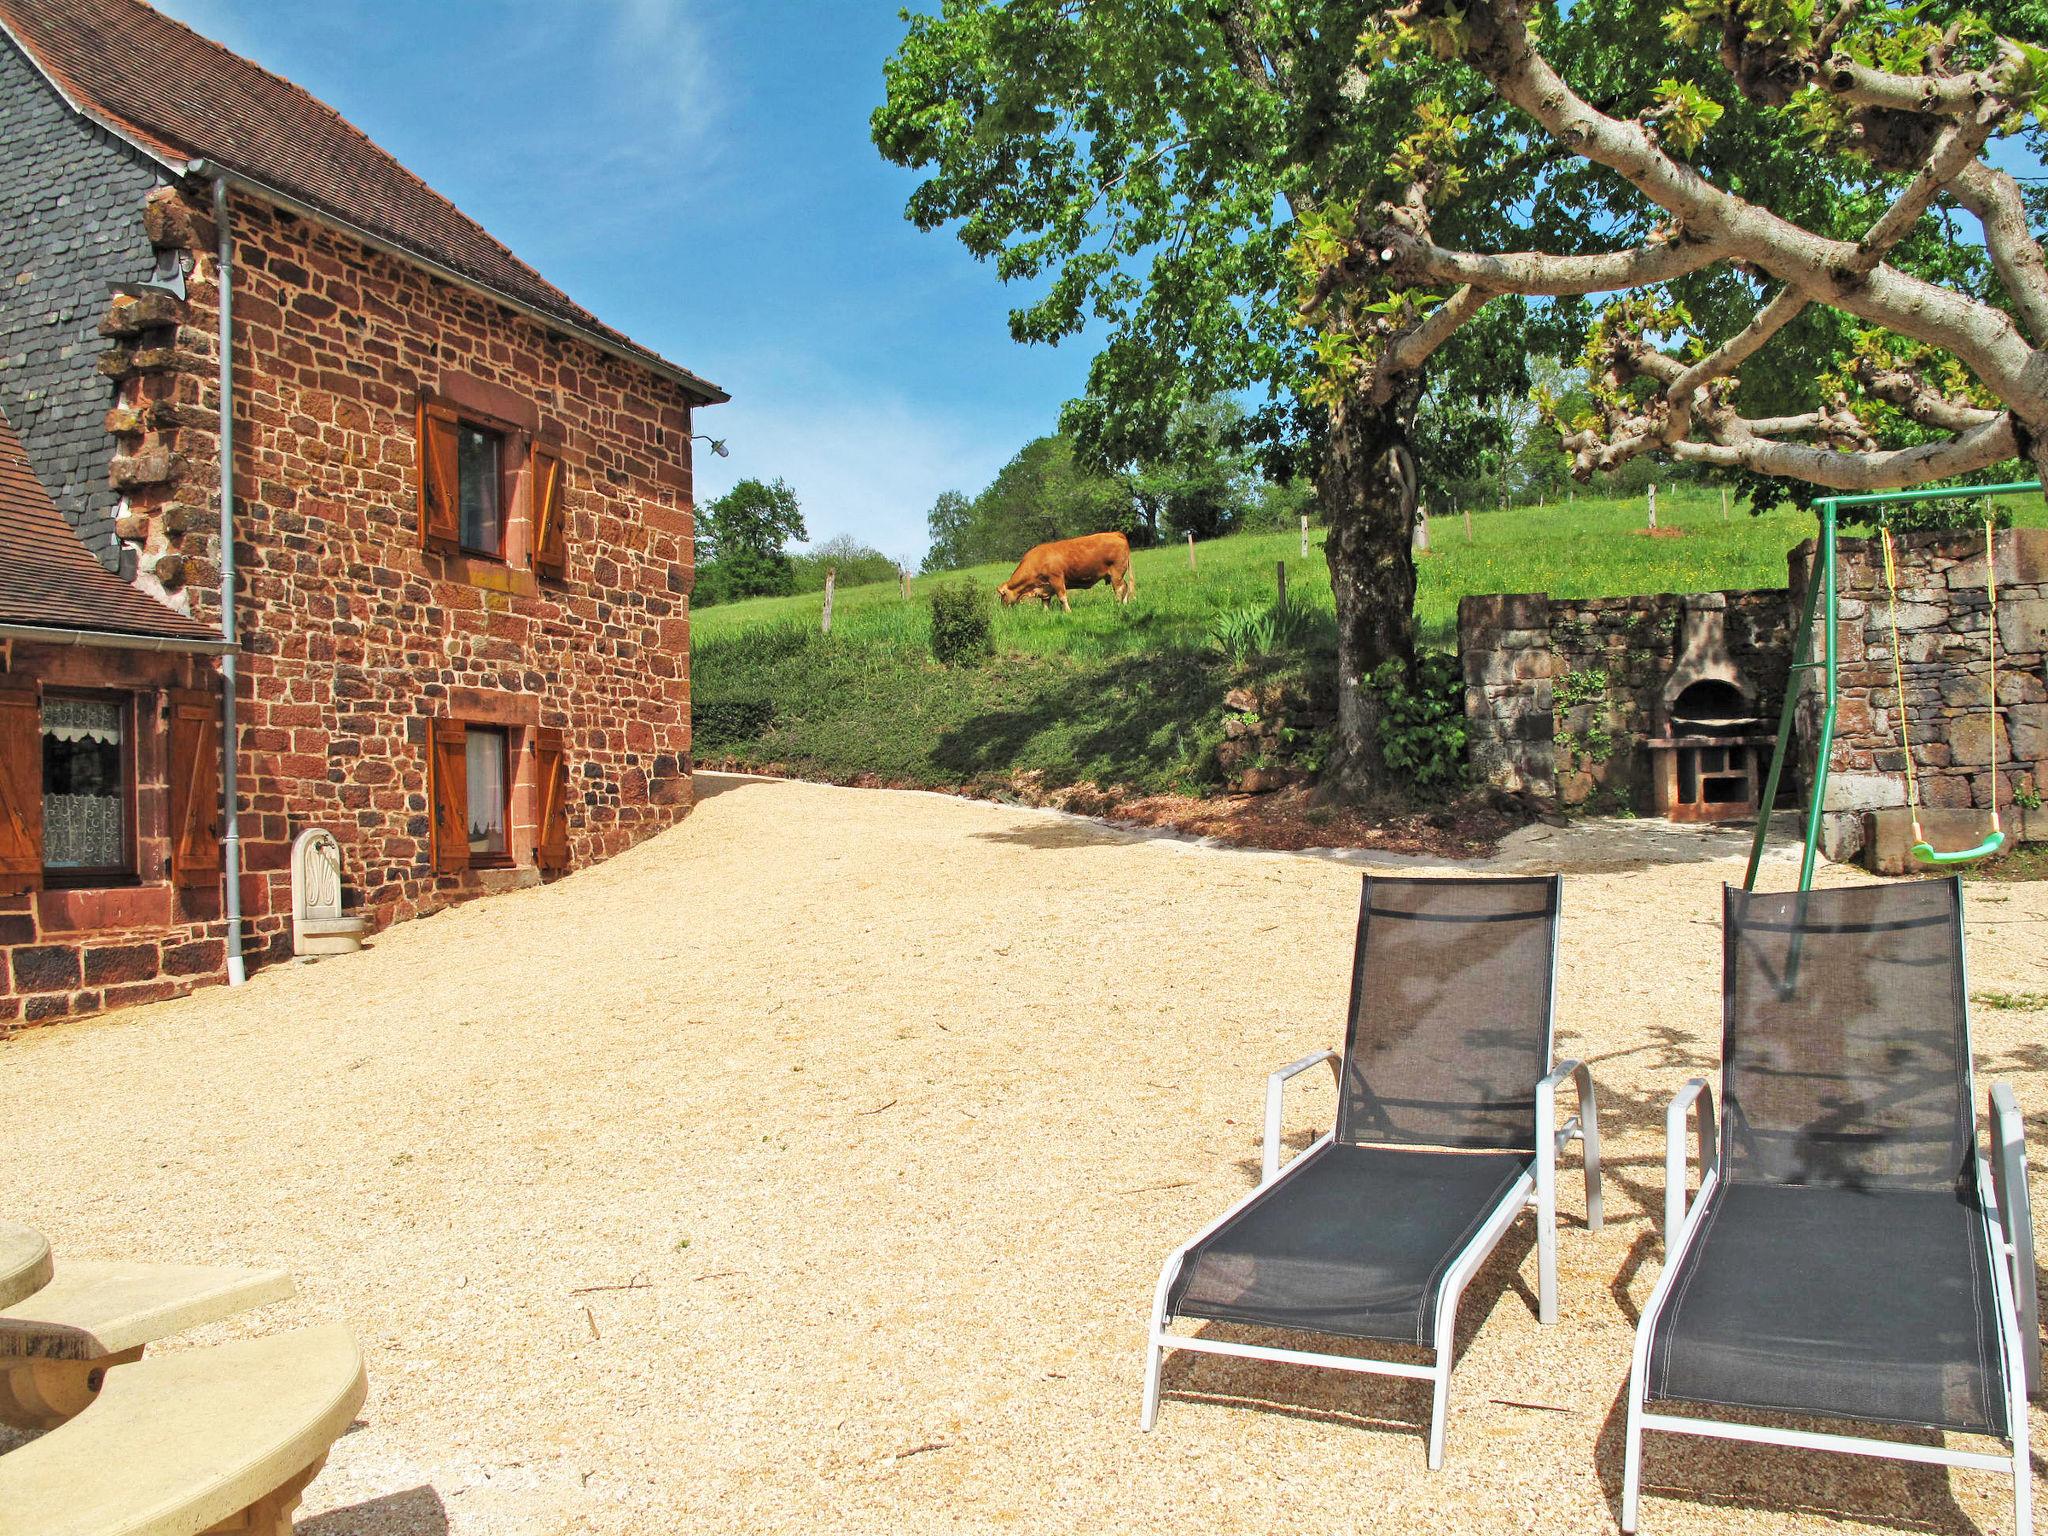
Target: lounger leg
point(2022, 1462)
point(1155, 1351)
point(1589, 1143)
point(1439, 1405)
point(1148, 1415)
point(1546, 1253)
point(1632, 1457)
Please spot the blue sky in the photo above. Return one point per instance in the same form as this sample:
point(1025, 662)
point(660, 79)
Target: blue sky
point(699, 173)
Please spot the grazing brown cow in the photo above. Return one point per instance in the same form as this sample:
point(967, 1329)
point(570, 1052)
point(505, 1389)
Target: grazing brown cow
point(1049, 570)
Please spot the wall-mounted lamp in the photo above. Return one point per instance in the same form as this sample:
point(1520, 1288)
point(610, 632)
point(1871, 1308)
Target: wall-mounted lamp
point(717, 443)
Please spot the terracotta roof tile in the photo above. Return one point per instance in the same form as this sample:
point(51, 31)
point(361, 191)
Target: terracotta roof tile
point(183, 97)
point(48, 576)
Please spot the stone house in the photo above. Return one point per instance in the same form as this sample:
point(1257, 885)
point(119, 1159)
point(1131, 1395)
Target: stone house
point(457, 531)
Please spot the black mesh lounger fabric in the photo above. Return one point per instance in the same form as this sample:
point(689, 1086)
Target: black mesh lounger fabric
point(1848, 1303)
point(1352, 1242)
point(1842, 1267)
point(1449, 1033)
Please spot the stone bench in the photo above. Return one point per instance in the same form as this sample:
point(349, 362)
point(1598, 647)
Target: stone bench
point(223, 1439)
point(24, 1263)
point(57, 1342)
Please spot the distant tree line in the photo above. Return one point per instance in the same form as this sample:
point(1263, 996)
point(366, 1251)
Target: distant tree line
point(742, 548)
point(1204, 482)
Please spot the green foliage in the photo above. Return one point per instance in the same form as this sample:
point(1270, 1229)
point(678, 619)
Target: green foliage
point(1110, 694)
point(1255, 634)
point(740, 542)
point(1580, 686)
point(961, 634)
point(716, 723)
point(1422, 720)
point(856, 564)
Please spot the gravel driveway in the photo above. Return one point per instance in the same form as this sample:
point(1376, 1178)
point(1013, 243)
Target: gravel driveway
point(810, 1166)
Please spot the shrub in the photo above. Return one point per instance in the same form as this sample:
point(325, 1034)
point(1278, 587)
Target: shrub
point(1422, 720)
point(1247, 634)
point(721, 722)
point(961, 633)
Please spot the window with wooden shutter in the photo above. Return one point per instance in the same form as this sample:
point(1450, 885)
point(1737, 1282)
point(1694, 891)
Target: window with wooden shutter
point(195, 788)
point(449, 775)
point(551, 785)
point(21, 786)
point(439, 477)
point(550, 519)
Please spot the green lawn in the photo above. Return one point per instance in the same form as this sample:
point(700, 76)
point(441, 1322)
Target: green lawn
point(1135, 695)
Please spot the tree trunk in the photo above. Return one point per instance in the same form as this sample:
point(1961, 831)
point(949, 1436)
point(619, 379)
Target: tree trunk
point(1367, 485)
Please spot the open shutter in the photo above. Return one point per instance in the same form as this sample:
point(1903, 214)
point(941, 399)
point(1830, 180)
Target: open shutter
point(195, 788)
point(449, 773)
point(551, 781)
point(550, 524)
point(21, 786)
point(439, 474)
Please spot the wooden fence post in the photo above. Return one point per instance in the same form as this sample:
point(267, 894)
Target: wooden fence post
point(1724, 518)
point(1653, 509)
point(1304, 535)
point(1191, 549)
point(1468, 540)
point(1280, 580)
point(903, 571)
point(825, 623)
point(1420, 545)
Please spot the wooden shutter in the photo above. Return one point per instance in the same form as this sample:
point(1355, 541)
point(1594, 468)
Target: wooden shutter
point(551, 785)
point(550, 520)
point(21, 785)
point(449, 776)
point(440, 477)
point(195, 788)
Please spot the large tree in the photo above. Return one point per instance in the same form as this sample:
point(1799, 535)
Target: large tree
point(1932, 363)
point(1146, 164)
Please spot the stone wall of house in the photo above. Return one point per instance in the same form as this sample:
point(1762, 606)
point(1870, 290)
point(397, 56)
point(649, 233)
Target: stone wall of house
point(65, 952)
point(355, 638)
point(1944, 654)
point(70, 223)
point(1561, 692)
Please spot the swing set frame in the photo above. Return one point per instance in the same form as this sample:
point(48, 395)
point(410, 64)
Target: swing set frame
point(1817, 592)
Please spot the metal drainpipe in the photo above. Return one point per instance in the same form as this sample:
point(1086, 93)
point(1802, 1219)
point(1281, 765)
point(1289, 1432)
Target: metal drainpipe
point(231, 839)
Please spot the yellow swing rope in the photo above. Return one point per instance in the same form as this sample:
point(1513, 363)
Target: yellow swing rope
point(1891, 586)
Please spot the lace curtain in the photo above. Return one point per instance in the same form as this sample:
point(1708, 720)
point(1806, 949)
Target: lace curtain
point(83, 809)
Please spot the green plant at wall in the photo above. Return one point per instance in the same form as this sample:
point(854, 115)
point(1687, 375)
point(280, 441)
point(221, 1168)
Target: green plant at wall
point(2026, 794)
point(1422, 720)
point(1580, 686)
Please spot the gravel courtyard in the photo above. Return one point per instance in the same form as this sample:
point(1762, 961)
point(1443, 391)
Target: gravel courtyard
point(809, 1168)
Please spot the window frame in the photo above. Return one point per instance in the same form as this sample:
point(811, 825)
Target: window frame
point(508, 777)
point(129, 871)
point(506, 437)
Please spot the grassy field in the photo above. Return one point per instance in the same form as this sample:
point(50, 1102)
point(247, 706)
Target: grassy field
point(1134, 695)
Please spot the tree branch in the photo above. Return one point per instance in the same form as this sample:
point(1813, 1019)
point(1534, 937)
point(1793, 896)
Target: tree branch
point(1995, 199)
point(1404, 255)
point(1975, 450)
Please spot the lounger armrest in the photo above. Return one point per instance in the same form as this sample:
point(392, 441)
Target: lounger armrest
point(1270, 1167)
point(1697, 1097)
point(2016, 1222)
point(1552, 1138)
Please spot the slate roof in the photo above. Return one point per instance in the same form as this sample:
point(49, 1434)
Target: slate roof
point(180, 97)
point(49, 578)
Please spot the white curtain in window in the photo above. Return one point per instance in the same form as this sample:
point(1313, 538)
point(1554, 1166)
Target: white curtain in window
point(82, 720)
point(486, 760)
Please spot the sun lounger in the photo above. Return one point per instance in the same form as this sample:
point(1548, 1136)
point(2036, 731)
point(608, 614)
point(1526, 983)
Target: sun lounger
point(198, 1440)
point(1850, 1255)
point(1446, 1132)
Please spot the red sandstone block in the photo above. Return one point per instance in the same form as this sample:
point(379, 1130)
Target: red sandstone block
point(16, 928)
point(111, 964)
point(142, 992)
point(133, 907)
point(45, 968)
point(40, 1010)
point(195, 958)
